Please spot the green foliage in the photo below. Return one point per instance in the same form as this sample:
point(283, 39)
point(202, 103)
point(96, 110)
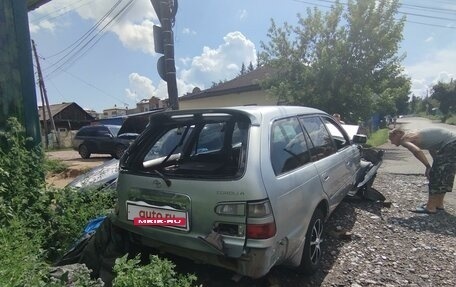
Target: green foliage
point(159, 273)
point(445, 94)
point(378, 138)
point(21, 172)
point(342, 61)
point(67, 213)
point(38, 225)
point(53, 166)
point(451, 120)
point(20, 257)
point(22, 261)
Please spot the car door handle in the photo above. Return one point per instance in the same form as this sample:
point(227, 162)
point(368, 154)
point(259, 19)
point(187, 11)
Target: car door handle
point(325, 177)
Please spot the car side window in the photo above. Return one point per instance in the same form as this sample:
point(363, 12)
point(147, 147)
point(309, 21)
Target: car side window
point(83, 132)
point(289, 148)
point(103, 132)
point(90, 132)
point(323, 145)
point(339, 136)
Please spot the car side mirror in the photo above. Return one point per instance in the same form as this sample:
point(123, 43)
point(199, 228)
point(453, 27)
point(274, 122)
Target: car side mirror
point(359, 139)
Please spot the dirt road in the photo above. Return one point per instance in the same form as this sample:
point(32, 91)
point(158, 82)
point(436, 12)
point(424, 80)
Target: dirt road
point(76, 166)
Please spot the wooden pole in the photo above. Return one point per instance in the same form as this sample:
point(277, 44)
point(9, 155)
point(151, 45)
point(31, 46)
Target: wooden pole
point(43, 89)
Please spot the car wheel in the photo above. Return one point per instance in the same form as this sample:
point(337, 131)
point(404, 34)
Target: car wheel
point(311, 256)
point(119, 151)
point(84, 151)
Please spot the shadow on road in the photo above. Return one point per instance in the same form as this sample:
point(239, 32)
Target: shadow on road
point(442, 223)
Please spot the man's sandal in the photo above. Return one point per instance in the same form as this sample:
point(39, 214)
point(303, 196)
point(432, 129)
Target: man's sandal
point(423, 210)
point(438, 208)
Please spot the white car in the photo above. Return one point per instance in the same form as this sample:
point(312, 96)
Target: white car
point(253, 185)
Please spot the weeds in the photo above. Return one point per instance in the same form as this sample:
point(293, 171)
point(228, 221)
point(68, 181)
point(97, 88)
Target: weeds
point(37, 225)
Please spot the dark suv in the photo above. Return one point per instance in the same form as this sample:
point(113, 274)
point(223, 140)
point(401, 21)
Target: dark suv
point(102, 139)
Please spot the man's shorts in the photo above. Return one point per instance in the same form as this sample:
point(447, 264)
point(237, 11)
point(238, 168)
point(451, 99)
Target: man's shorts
point(443, 170)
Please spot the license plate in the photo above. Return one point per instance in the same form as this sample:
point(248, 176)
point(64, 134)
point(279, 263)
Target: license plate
point(143, 210)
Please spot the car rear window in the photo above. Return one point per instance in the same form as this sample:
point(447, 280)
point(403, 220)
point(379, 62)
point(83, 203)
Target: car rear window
point(114, 130)
point(209, 148)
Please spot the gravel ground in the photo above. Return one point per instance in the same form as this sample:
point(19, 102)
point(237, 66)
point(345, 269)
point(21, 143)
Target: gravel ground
point(371, 244)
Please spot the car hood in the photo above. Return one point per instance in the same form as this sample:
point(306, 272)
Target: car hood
point(99, 176)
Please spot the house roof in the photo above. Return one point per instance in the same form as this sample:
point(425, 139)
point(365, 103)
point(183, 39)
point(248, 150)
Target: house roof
point(243, 83)
point(57, 108)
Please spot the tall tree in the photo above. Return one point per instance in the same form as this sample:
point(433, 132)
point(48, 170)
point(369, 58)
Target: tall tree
point(344, 60)
point(445, 93)
point(250, 67)
point(243, 71)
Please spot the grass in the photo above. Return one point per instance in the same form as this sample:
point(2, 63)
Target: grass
point(378, 138)
point(54, 166)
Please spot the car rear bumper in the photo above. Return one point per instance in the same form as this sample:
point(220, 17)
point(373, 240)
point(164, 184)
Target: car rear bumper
point(254, 262)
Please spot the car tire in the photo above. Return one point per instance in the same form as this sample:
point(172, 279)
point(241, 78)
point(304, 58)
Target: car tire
point(119, 151)
point(84, 151)
point(311, 256)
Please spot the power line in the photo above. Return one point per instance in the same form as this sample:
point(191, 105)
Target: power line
point(96, 88)
point(79, 41)
point(74, 55)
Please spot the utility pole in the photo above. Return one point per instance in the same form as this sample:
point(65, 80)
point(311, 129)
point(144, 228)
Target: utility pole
point(164, 43)
point(44, 95)
point(17, 84)
point(46, 140)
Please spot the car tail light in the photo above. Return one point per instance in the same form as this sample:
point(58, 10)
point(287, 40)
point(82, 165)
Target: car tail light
point(237, 209)
point(261, 231)
point(259, 209)
point(260, 221)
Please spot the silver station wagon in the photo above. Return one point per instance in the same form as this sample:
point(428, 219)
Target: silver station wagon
point(251, 186)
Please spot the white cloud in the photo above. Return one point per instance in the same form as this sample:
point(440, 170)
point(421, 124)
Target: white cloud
point(185, 61)
point(435, 67)
point(188, 31)
point(429, 39)
point(133, 28)
point(221, 63)
point(213, 65)
point(243, 14)
point(141, 87)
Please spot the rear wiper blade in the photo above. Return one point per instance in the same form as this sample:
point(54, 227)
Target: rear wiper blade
point(181, 141)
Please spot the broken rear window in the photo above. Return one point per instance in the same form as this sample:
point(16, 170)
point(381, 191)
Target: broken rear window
point(210, 147)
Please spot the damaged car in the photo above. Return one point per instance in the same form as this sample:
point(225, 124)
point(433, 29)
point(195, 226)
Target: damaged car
point(252, 186)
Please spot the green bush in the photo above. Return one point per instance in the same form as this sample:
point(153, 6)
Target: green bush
point(21, 172)
point(37, 225)
point(378, 137)
point(451, 120)
point(158, 273)
point(21, 261)
point(69, 211)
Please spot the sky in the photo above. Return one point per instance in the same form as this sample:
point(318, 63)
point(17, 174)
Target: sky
point(101, 60)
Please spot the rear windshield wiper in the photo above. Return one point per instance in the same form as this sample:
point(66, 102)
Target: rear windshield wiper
point(161, 175)
point(181, 141)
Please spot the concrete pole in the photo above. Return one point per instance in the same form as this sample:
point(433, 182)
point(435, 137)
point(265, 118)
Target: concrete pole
point(17, 85)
